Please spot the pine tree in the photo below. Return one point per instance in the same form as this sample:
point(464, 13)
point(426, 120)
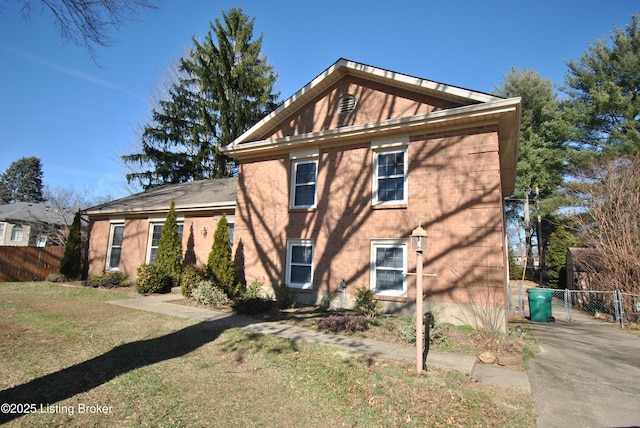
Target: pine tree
point(71, 264)
point(223, 87)
point(604, 90)
point(169, 254)
point(22, 181)
point(220, 261)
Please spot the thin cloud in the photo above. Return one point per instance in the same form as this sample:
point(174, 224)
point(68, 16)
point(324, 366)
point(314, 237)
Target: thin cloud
point(69, 71)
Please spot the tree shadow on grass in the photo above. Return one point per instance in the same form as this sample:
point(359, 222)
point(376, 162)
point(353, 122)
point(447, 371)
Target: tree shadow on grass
point(89, 374)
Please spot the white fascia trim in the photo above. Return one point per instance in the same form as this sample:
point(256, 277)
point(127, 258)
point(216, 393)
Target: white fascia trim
point(405, 124)
point(422, 83)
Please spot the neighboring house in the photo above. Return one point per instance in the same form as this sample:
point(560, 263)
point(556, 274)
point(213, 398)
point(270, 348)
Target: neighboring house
point(34, 224)
point(582, 264)
point(124, 234)
point(333, 182)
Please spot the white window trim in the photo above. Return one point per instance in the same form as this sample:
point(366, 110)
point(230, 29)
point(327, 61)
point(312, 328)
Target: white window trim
point(15, 231)
point(400, 149)
point(389, 243)
point(112, 226)
point(294, 166)
point(299, 242)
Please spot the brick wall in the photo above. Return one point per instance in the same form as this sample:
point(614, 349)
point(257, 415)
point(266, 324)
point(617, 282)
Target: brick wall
point(196, 246)
point(454, 192)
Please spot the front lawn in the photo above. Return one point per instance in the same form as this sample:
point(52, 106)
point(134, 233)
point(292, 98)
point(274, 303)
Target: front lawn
point(77, 361)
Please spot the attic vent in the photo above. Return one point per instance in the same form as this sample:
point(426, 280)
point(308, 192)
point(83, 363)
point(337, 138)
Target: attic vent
point(346, 104)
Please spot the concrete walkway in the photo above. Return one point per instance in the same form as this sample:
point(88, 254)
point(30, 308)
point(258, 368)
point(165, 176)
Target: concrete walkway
point(459, 362)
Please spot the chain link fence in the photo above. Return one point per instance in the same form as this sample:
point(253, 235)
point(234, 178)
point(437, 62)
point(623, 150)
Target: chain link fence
point(582, 305)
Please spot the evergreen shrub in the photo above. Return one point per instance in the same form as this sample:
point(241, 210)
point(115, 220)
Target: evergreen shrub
point(151, 279)
point(254, 306)
point(366, 303)
point(207, 293)
point(192, 275)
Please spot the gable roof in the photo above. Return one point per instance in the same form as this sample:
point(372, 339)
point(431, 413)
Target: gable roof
point(201, 195)
point(31, 212)
point(473, 107)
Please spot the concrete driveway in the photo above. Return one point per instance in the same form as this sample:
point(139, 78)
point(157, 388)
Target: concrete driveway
point(586, 375)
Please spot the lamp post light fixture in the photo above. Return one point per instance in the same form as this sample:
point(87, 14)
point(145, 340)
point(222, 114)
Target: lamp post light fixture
point(419, 244)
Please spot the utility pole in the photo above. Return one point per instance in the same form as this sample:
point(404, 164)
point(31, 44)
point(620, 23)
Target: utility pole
point(527, 231)
point(540, 250)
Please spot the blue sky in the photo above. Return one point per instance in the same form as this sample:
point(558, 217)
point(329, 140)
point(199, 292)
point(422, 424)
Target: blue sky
point(57, 104)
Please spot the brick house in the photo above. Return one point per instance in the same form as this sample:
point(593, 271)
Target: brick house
point(333, 182)
point(124, 234)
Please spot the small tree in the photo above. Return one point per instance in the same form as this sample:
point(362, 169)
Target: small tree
point(71, 265)
point(220, 261)
point(169, 255)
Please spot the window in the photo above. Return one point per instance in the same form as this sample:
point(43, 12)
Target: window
point(17, 234)
point(155, 233)
point(42, 241)
point(303, 183)
point(390, 172)
point(231, 228)
point(115, 246)
point(300, 263)
point(388, 267)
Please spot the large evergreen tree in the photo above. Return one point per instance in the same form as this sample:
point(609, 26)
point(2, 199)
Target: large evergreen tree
point(22, 181)
point(541, 154)
point(169, 254)
point(604, 90)
point(224, 86)
point(541, 151)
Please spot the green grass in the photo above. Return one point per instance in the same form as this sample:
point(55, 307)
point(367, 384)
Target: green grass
point(65, 346)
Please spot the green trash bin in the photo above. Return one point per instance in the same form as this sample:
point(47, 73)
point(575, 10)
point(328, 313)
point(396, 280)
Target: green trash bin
point(540, 304)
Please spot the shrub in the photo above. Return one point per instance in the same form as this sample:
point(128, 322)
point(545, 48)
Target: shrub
point(206, 293)
point(57, 277)
point(254, 289)
point(192, 275)
point(335, 323)
point(110, 280)
point(285, 296)
point(169, 253)
point(254, 306)
point(220, 262)
point(366, 304)
point(151, 279)
point(71, 264)
point(407, 329)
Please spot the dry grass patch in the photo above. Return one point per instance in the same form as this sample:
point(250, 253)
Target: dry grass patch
point(65, 347)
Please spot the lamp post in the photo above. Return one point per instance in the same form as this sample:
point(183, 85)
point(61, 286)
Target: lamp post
point(419, 244)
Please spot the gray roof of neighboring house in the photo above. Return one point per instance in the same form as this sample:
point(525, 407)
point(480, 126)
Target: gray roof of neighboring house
point(199, 195)
point(31, 212)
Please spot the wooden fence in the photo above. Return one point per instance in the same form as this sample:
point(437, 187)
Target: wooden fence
point(29, 263)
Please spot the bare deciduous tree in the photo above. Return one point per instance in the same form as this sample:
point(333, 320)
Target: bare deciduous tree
point(610, 192)
point(88, 23)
